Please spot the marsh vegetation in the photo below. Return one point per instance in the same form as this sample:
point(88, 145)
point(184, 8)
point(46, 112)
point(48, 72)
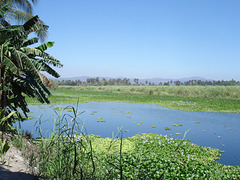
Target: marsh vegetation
point(70, 153)
point(187, 98)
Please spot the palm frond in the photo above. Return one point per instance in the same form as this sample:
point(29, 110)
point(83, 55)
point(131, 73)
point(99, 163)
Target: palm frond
point(46, 80)
point(46, 57)
point(25, 5)
point(40, 65)
point(30, 41)
point(10, 65)
point(3, 10)
point(44, 46)
point(18, 15)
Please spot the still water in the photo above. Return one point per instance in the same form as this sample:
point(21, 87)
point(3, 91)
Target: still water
point(216, 130)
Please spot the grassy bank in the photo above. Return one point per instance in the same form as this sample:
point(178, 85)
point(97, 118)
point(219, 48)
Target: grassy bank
point(188, 98)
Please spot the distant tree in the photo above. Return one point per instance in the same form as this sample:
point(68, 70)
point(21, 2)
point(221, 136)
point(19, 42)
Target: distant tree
point(166, 83)
point(136, 80)
point(177, 83)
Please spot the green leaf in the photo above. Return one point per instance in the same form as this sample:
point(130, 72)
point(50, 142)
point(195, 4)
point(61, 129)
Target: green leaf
point(10, 65)
point(30, 41)
point(46, 45)
point(30, 23)
point(3, 10)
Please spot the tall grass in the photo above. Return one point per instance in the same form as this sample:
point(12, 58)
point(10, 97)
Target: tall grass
point(220, 92)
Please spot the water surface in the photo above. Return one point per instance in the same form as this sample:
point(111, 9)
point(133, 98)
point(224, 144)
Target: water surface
point(205, 128)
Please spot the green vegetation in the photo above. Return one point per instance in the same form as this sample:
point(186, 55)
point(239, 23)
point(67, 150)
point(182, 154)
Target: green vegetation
point(70, 154)
point(177, 125)
point(207, 99)
point(4, 147)
point(22, 66)
point(141, 156)
point(101, 121)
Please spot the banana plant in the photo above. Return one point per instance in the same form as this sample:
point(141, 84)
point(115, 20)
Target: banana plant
point(22, 67)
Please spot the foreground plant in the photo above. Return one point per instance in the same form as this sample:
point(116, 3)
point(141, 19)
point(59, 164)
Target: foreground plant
point(4, 145)
point(21, 66)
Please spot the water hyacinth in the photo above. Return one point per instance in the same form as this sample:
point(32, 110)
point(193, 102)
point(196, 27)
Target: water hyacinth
point(137, 157)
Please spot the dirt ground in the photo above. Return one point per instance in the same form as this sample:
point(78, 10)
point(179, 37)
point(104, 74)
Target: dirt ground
point(15, 167)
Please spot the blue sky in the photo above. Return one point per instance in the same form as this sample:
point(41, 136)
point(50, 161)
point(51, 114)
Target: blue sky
point(144, 38)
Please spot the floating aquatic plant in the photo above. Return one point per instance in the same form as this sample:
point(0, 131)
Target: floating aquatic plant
point(177, 124)
point(153, 126)
point(219, 137)
point(167, 128)
point(101, 121)
point(58, 108)
point(178, 133)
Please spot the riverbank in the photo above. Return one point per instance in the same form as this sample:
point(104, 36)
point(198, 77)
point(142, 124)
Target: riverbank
point(16, 163)
point(203, 99)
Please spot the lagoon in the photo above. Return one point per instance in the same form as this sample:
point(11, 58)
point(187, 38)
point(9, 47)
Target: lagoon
point(216, 130)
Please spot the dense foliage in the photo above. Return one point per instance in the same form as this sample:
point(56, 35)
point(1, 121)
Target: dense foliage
point(22, 66)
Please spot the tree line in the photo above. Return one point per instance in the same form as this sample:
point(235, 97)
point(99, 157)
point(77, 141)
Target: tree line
point(136, 82)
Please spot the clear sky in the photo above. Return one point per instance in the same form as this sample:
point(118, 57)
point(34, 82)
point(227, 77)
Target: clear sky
point(144, 38)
